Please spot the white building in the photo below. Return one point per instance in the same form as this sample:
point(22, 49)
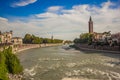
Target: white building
point(17, 40)
point(6, 37)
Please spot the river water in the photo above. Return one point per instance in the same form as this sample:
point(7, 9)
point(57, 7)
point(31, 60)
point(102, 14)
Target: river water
point(60, 63)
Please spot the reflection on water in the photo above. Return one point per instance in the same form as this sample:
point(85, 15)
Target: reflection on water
point(62, 63)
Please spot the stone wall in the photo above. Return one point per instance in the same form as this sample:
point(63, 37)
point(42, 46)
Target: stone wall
point(18, 48)
point(115, 48)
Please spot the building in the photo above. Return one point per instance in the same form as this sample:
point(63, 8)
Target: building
point(102, 36)
point(17, 40)
point(90, 25)
point(97, 36)
point(6, 37)
point(116, 37)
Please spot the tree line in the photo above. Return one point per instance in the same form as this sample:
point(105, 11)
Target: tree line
point(32, 39)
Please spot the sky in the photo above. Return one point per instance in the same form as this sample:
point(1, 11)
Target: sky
point(64, 19)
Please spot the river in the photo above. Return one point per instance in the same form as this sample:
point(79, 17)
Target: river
point(62, 63)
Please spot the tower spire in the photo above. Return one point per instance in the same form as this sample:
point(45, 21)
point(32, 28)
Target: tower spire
point(90, 19)
point(90, 25)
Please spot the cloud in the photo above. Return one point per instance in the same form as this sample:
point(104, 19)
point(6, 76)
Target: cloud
point(107, 4)
point(54, 8)
point(3, 19)
point(46, 15)
point(23, 3)
point(69, 24)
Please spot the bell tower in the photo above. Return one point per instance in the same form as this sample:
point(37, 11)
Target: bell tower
point(90, 25)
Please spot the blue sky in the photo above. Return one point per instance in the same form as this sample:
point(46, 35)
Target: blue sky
point(40, 6)
point(58, 17)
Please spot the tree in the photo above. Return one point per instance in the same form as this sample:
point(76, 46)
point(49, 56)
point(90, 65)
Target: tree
point(107, 33)
point(32, 39)
point(68, 41)
point(86, 38)
point(27, 38)
point(36, 40)
point(57, 41)
point(76, 40)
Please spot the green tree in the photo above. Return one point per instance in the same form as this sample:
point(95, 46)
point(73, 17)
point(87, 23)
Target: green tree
point(41, 40)
point(76, 40)
point(32, 39)
point(84, 38)
point(57, 41)
point(27, 38)
point(36, 40)
point(107, 33)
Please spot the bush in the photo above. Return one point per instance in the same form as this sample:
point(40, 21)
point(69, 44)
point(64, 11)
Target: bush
point(3, 69)
point(12, 62)
point(9, 63)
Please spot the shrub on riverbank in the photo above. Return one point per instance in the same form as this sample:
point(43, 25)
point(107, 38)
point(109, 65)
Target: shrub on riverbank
point(3, 69)
point(9, 63)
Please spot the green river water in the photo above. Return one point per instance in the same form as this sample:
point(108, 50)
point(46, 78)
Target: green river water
point(59, 63)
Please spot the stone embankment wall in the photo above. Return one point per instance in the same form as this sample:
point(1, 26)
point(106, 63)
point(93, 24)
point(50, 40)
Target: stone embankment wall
point(18, 48)
point(98, 48)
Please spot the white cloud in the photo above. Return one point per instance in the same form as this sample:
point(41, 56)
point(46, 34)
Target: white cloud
point(46, 15)
point(107, 4)
point(68, 25)
point(23, 3)
point(3, 19)
point(55, 8)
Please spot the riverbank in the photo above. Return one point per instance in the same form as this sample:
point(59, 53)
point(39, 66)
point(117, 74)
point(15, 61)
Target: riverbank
point(19, 48)
point(91, 49)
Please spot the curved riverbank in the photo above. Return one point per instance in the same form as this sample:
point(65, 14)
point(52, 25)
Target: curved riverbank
point(23, 47)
